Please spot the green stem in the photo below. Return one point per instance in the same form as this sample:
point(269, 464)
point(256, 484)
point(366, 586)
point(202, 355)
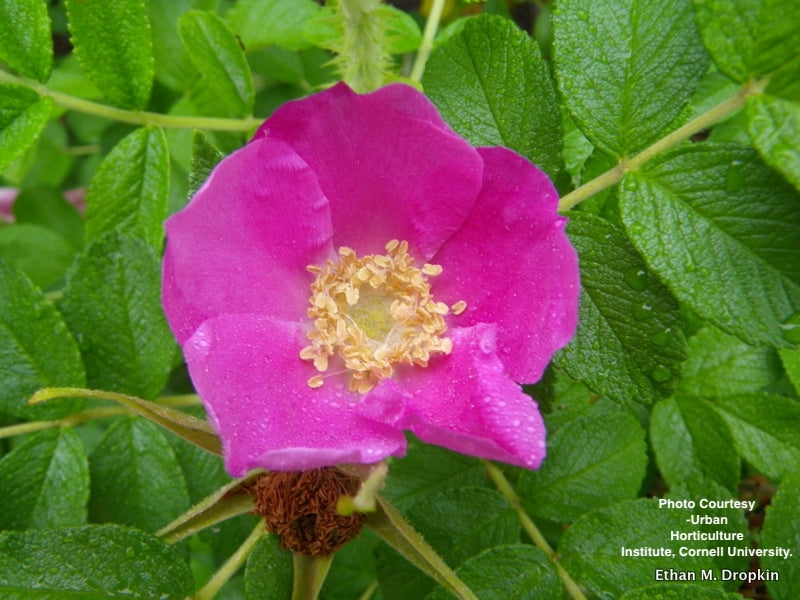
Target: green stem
point(309, 575)
point(91, 414)
point(505, 488)
point(683, 133)
point(135, 117)
point(373, 587)
point(428, 36)
point(227, 570)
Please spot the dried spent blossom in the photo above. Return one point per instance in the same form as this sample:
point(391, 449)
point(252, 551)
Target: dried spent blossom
point(301, 508)
point(358, 270)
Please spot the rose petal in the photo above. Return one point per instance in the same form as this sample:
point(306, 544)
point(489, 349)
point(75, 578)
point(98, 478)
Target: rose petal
point(513, 265)
point(244, 241)
point(466, 402)
point(389, 165)
point(253, 384)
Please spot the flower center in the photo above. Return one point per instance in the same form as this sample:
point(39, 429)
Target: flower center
point(374, 312)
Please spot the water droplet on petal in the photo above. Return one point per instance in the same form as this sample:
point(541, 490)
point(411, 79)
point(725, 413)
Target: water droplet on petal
point(486, 343)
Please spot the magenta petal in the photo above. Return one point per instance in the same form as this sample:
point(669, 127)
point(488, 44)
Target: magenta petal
point(467, 403)
point(513, 265)
point(244, 241)
point(389, 165)
point(247, 370)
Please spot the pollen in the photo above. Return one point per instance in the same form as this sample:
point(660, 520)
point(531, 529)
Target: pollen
point(372, 313)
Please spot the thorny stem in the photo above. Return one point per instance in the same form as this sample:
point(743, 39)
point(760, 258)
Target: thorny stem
point(505, 488)
point(227, 570)
point(135, 117)
point(425, 48)
point(91, 414)
point(696, 125)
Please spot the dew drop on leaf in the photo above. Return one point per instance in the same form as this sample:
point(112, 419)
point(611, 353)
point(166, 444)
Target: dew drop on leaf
point(641, 311)
point(790, 329)
point(661, 339)
point(636, 278)
point(734, 179)
point(661, 374)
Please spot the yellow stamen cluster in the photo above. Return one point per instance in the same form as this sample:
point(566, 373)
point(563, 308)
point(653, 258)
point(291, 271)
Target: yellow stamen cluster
point(375, 312)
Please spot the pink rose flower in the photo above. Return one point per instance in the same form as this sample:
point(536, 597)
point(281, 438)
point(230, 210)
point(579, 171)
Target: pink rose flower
point(358, 270)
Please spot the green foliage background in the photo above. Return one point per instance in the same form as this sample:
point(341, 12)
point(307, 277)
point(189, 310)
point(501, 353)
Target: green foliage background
point(672, 129)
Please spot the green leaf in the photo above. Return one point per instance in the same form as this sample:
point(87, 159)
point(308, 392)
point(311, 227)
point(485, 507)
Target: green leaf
point(492, 86)
point(401, 30)
point(40, 253)
point(591, 549)
point(129, 190)
point(591, 462)
point(113, 45)
point(205, 474)
point(26, 43)
point(515, 571)
point(693, 446)
point(173, 67)
point(766, 430)
point(458, 524)
point(136, 479)
point(205, 156)
point(629, 343)
point(47, 207)
point(626, 68)
point(749, 38)
point(23, 115)
point(790, 357)
point(112, 304)
point(45, 482)
point(353, 569)
point(260, 23)
point(782, 529)
point(721, 365)
point(427, 470)
point(94, 562)
point(714, 223)
point(268, 574)
point(46, 163)
point(678, 591)
point(774, 126)
point(36, 349)
point(216, 53)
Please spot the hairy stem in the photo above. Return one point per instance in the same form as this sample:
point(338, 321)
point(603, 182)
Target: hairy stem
point(505, 488)
point(362, 59)
point(135, 117)
point(228, 570)
point(683, 133)
point(309, 575)
point(425, 48)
